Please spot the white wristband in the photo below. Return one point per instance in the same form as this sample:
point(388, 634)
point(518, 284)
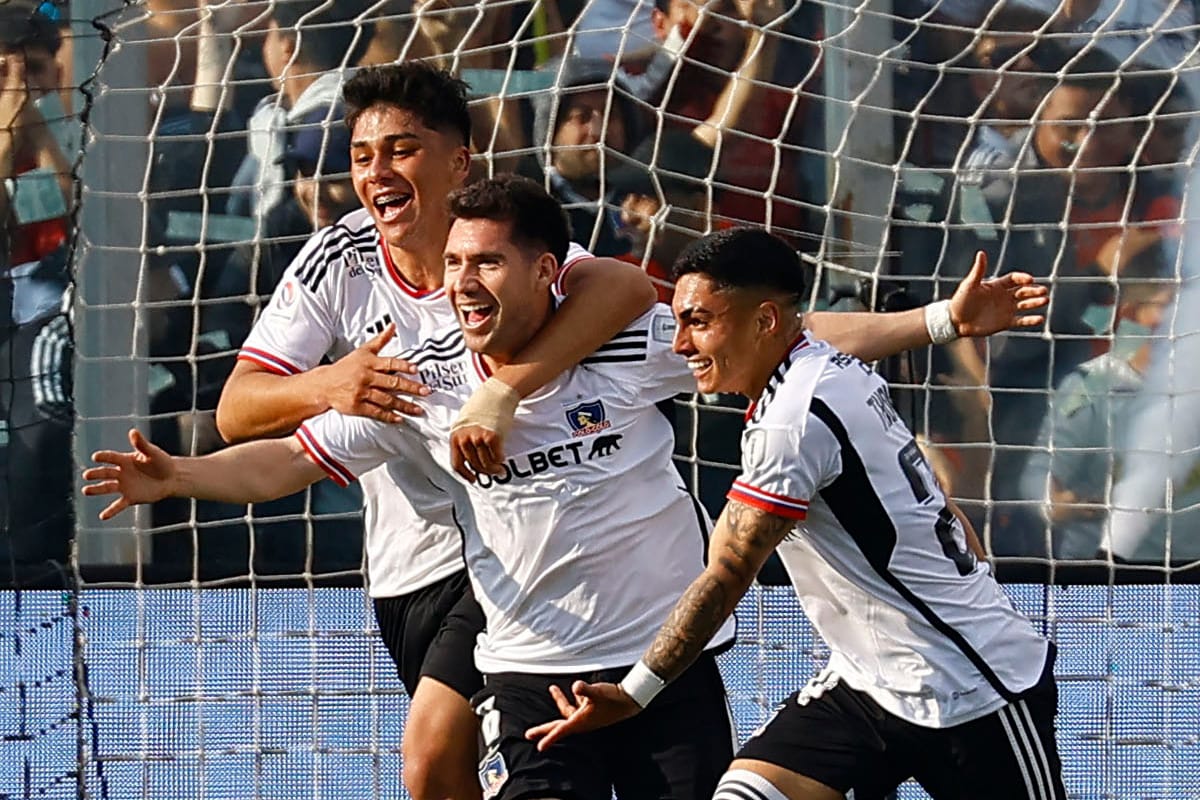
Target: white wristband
point(938, 323)
point(641, 684)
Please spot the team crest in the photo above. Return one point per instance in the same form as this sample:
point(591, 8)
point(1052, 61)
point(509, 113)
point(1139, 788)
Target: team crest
point(587, 418)
point(493, 774)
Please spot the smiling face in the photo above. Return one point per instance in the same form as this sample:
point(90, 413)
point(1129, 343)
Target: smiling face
point(717, 333)
point(402, 172)
point(500, 290)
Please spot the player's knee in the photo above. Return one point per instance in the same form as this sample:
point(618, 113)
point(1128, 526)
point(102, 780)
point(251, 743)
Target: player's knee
point(432, 771)
point(738, 784)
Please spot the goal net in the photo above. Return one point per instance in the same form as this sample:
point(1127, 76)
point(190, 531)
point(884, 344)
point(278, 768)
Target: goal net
point(194, 649)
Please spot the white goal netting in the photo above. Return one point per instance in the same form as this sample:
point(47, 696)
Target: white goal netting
point(205, 650)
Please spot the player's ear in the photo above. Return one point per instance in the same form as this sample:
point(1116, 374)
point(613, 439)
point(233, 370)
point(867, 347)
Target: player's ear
point(461, 161)
point(767, 318)
point(547, 269)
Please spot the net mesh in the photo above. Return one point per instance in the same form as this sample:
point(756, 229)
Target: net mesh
point(208, 651)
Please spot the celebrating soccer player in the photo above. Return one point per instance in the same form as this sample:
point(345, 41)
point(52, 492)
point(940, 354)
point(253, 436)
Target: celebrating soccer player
point(933, 674)
point(539, 532)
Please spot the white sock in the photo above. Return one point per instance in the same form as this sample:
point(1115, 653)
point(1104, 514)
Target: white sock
point(742, 784)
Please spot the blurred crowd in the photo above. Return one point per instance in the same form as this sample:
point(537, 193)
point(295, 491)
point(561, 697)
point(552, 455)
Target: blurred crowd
point(653, 121)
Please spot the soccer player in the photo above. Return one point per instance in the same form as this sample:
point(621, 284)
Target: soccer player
point(539, 536)
point(383, 266)
point(933, 675)
point(374, 275)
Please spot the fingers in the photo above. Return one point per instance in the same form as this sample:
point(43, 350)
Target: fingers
point(978, 268)
point(538, 731)
point(565, 706)
point(394, 382)
point(484, 453)
point(111, 457)
point(464, 457)
point(102, 487)
point(100, 474)
point(114, 508)
point(1029, 321)
point(386, 407)
point(385, 336)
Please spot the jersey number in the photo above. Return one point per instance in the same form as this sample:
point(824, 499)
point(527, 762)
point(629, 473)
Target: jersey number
point(915, 467)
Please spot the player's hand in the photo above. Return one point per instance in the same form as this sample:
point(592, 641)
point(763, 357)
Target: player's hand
point(366, 384)
point(477, 436)
point(145, 475)
point(596, 705)
point(475, 450)
point(982, 307)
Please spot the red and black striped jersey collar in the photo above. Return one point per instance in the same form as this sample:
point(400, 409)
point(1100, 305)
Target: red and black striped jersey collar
point(398, 279)
point(777, 374)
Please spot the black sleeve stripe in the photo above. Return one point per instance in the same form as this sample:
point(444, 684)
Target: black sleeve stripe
point(635, 334)
point(859, 510)
point(337, 239)
point(615, 359)
point(452, 342)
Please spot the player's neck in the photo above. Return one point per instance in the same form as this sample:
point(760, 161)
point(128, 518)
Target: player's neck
point(774, 349)
point(420, 266)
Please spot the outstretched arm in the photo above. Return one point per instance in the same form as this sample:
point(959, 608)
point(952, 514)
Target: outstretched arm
point(979, 307)
point(603, 296)
point(743, 538)
point(248, 473)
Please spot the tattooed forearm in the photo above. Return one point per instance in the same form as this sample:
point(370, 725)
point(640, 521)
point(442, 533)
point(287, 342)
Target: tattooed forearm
point(741, 542)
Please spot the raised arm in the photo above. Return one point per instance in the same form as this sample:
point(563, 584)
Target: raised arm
point(257, 403)
point(743, 538)
point(603, 295)
point(248, 473)
point(979, 307)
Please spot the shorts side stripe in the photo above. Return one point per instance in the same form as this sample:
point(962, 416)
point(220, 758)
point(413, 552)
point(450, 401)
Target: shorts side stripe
point(738, 790)
point(1029, 737)
point(1019, 754)
point(1042, 767)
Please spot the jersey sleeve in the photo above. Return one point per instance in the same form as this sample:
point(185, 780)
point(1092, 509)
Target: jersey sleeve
point(642, 358)
point(783, 466)
point(575, 254)
point(345, 447)
point(297, 327)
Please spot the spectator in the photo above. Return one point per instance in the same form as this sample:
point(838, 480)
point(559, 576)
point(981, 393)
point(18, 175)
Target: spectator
point(665, 202)
point(33, 222)
point(1074, 462)
point(587, 115)
point(308, 45)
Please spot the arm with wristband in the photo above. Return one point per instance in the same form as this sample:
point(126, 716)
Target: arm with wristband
point(603, 296)
point(742, 540)
point(979, 307)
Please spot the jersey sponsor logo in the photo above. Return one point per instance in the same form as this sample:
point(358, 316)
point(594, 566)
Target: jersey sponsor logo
point(444, 376)
point(359, 263)
point(587, 418)
point(561, 455)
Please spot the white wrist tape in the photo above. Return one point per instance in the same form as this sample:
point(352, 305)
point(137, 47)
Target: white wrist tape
point(492, 406)
point(673, 43)
point(641, 684)
point(938, 323)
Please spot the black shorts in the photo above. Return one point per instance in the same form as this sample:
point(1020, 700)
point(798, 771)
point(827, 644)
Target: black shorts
point(676, 749)
point(432, 632)
point(842, 738)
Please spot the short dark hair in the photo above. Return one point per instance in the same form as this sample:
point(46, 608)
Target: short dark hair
point(326, 29)
point(537, 219)
point(22, 28)
point(438, 98)
point(744, 258)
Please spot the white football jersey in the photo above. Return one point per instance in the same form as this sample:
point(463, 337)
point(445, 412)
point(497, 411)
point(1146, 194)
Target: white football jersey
point(341, 291)
point(879, 563)
point(580, 549)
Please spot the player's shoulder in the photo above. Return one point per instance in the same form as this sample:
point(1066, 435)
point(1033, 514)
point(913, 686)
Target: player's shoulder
point(344, 250)
point(813, 373)
point(646, 335)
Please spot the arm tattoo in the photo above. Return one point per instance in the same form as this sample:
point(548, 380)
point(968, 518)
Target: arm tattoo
point(743, 539)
